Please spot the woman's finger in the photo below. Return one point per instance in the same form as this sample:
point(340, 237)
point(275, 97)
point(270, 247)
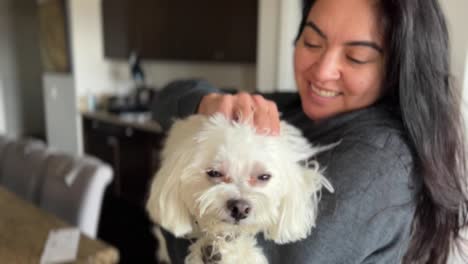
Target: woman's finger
point(244, 108)
point(267, 119)
point(274, 118)
point(261, 116)
point(216, 103)
point(225, 106)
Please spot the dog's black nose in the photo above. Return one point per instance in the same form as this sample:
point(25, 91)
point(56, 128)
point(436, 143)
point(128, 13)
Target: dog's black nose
point(239, 209)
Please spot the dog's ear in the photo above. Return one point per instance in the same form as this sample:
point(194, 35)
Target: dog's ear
point(298, 207)
point(301, 189)
point(165, 204)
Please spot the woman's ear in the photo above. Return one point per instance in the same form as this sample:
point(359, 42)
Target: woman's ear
point(165, 204)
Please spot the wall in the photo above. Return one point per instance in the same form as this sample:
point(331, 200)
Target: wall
point(465, 89)
point(2, 109)
point(4, 47)
point(455, 11)
point(290, 18)
point(457, 21)
point(20, 69)
point(267, 42)
point(11, 110)
point(278, 23)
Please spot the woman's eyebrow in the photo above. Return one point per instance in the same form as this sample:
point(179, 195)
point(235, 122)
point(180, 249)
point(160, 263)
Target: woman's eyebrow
point(316, 29)
point(369, 44)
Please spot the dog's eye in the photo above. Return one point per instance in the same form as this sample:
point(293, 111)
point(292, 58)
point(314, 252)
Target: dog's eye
point(264, 177)
point(214, 173)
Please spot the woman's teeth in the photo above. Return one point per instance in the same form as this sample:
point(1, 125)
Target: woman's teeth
point(324, 93)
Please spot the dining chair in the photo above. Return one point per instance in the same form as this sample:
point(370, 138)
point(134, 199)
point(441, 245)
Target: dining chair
point(73, 189)
point(22, 162)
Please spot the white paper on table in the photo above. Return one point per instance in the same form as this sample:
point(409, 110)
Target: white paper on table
point(61, 246)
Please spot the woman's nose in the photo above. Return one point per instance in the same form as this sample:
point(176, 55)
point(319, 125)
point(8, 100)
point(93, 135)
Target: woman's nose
point(327, 67)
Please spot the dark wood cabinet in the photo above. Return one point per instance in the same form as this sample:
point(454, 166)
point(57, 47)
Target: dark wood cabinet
point(132, 153)
point(116, 28)
point(134, 156)
point(208, 30)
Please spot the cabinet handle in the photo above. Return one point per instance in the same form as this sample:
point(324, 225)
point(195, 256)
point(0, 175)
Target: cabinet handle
point(218, 55)
point(112, 141)
point(129, 132)
point(95, 124)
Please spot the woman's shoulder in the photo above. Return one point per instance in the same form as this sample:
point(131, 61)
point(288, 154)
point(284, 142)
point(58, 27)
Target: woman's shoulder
point(382, 132)
point(376, 127)
point(384, 139)
point(373, 151)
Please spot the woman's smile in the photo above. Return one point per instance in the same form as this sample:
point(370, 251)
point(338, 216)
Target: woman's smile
point(323, 92)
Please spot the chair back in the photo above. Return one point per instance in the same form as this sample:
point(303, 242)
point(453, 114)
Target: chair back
point(22, 162)
point(73, 189)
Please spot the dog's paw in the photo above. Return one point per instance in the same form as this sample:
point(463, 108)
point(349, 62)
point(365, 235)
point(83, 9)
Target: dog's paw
point(211, 255)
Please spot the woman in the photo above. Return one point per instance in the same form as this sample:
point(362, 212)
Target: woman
point(375, 75)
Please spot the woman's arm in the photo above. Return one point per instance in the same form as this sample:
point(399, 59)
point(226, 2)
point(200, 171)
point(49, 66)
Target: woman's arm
point(180, 99)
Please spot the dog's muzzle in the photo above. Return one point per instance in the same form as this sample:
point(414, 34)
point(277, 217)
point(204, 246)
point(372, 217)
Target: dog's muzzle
point(239, 209)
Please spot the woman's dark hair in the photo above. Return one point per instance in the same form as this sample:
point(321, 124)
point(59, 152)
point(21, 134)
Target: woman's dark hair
point(418, 87)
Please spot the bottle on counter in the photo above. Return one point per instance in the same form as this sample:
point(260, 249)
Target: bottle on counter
point(136, 70)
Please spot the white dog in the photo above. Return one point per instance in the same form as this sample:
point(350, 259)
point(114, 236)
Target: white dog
point(221, 182)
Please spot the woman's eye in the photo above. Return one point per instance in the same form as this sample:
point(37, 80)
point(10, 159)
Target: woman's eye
point(264, 177)
point(214, 173)
point(311, 45)
point(356, 61)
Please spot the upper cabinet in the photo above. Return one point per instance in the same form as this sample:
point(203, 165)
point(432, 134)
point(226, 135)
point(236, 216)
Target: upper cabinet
point(206, 30)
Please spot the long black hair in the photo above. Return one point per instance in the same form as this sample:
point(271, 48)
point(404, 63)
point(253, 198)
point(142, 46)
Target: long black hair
point(418, 87)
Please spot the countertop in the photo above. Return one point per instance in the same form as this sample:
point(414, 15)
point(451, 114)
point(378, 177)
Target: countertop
point(141, 121)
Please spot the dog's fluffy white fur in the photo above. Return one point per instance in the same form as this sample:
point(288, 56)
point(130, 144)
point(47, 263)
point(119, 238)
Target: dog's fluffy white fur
point(209, 161)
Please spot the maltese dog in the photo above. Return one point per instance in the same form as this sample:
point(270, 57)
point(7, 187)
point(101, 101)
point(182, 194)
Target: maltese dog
point(221, 183)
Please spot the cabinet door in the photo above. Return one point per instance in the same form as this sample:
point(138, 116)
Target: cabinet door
point(213, 30)
point(206, 30)
point(240, 32)
point(150, 26)
point(135, 163)
point(116, 28)
point(104, 146)
point(132, 153)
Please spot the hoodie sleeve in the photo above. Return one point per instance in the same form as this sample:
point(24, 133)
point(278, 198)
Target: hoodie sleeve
point(179, 99)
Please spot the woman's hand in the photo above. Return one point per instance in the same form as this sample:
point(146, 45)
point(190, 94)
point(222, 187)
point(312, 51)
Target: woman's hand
point(255, 109)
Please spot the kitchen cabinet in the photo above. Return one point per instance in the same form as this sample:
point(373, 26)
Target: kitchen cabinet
point(132, 153)
point(208, 30)
point(132, 149)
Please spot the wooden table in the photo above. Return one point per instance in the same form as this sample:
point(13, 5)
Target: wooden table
point(24, 229)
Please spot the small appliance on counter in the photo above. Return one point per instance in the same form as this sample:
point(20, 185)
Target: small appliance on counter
point(139, 99)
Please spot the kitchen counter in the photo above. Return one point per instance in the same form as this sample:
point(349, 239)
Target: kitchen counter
point(130, 144)
point(141, 121)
